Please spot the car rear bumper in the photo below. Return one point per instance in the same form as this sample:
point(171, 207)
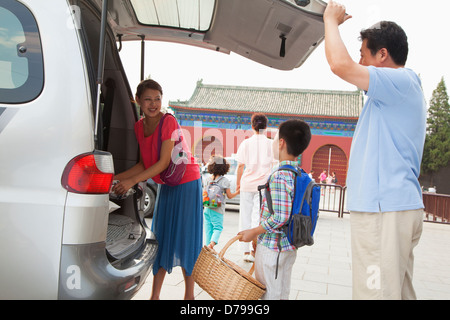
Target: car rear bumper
point(86, 272)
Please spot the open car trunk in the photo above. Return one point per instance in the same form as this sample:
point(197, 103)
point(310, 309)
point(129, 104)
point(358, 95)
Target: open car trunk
point(277, 33)
point(127, 232)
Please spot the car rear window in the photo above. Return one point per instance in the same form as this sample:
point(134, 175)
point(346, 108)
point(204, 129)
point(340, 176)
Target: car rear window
point(21, 64)
point(187, 14)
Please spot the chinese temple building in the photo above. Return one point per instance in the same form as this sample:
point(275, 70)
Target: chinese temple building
point(216, 119)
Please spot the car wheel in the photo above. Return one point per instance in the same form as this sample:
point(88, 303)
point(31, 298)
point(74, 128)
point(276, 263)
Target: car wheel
point(149, 202)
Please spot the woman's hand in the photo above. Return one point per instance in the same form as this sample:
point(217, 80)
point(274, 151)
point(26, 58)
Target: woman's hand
point(123, 186)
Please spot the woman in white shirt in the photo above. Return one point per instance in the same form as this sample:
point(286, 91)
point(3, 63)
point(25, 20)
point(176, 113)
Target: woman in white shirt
point(255, 162)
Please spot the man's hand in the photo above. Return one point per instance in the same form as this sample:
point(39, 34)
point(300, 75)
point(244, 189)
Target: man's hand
point(338, 58)
point(335, 12)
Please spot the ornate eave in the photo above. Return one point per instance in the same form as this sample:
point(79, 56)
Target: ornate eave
point(230, 107)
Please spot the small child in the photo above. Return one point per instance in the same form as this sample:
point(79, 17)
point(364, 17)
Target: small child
point(213, 216)
point(292, 139)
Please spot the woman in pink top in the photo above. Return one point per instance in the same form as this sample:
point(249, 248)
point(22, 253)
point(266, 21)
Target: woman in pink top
point(178, 217)
point(323, 176)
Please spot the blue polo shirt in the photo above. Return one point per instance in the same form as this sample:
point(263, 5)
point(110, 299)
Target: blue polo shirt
point(387, 146)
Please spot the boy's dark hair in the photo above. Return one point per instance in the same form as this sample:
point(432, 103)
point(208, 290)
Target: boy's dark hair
point(148, 84)
point(297, 135)
point(259, 121)
point(218, 166)
point(389, 35)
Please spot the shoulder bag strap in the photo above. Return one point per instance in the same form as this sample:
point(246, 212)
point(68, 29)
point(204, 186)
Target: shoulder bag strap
point(161, 121)
point(160, 124)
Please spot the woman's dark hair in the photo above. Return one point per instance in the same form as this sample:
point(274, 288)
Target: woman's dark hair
point(389, 35)
point(218, 166)
point(297, 135)
point(148, 84)
point(259, 121)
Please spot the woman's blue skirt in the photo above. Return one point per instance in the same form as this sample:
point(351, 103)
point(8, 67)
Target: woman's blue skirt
point(178, 226)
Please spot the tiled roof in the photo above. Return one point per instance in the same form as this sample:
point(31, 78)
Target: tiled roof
point(345, 104)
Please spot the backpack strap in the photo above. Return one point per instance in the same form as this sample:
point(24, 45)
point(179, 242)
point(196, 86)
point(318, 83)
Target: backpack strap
point(266, 186)
point(220, 178)
point(217, 182)
point(161, 121)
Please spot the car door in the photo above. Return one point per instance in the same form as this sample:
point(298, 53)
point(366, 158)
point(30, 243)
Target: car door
point(277, 33)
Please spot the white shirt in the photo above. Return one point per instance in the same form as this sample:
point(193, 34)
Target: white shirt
point(257, 155)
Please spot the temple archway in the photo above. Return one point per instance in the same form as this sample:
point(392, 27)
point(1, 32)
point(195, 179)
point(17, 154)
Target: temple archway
point(331, 158)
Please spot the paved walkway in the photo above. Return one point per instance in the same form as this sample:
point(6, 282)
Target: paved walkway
point(323, 271)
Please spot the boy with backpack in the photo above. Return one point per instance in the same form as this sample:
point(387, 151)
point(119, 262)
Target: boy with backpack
point(216, 187)
point(275, 255)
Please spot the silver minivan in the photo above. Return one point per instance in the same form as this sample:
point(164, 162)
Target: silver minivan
point(67, 125)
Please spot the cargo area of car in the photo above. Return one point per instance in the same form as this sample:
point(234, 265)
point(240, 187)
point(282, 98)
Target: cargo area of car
point(127, 233)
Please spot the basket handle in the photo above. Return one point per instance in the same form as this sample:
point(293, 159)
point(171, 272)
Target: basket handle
point(252, 269)
point(228, 244)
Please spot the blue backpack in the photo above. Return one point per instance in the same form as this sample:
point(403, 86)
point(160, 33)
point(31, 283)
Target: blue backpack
point(305, 208)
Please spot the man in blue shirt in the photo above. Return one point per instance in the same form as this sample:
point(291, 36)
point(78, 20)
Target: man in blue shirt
point(384, 195)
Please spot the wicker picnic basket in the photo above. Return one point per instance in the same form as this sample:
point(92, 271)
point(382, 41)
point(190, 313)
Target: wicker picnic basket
point(223, 279)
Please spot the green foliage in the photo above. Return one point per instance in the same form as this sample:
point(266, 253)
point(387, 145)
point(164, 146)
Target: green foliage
point(436, 153)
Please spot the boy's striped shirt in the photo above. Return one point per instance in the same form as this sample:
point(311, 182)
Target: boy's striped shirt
point(282, 191)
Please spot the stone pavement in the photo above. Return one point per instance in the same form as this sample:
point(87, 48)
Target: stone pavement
point(323, 271)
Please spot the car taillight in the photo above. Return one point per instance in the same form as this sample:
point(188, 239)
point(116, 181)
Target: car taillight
point(90, 173)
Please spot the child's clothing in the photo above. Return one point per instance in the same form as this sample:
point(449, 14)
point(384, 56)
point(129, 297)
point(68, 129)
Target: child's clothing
point(224, 183)
point(282, 192)
point(213, 217)
point(266, 265)
point(213, 224)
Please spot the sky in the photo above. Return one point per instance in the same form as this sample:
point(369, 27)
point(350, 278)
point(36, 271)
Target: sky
point(178, 67)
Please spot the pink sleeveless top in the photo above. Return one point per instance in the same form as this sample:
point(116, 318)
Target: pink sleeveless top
point(149, 148)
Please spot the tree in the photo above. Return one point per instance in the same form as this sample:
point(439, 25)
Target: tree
point(436, 153)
